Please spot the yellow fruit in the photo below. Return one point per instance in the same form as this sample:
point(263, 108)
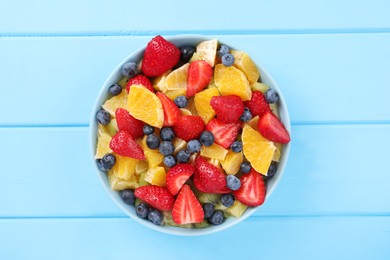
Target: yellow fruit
point(215, 162)
point(258, 150)
point(195, 57)
point(278, 152)
point(117, 183)
point(153, 157)
point(141, 167)
point(202, 103)
point(257, 86)
point(145, 106)
point(232, 162)
point(115, 102)
point(159, 82)
point(214, 151)
point(232, 81)
point(207, 51)
point(103, 145)
point(274, 109)
point(179, 144)
point(156, 176)
point(110, 129)
point(177, 79)
point(124, 167)
point(122, 82)
point(219, 71)
point(237, 209)
point(253, 122)
point(192, 158)
point(246, 65)
point(172, 94)
point(185, 112)
point(141, 181)
point(191, 107)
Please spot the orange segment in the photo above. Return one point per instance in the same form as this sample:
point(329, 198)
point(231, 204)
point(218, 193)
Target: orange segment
point(159, 82)
point(179, 144)
point(253, 122)
point(232, 162)
point(214, 151)
point(153, 157)
point(156, 176)
point(117, 183)
point(124, 167)
point(202, 103)
point(185, 112)
point(278, 152)
point(103, 144)
point(207, 51)
point(246, 65)
point(115, 102)
point(141, 167)
point(177, 79)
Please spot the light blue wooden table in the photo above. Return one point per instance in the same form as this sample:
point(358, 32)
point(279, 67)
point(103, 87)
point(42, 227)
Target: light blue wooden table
point(331, 60)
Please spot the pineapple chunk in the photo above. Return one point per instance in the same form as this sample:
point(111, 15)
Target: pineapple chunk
point(207, 51)
point(257, 86)
point(124, 167)
point(214, 151)
point(236, 210)
point(232, 162)
point(117, 183)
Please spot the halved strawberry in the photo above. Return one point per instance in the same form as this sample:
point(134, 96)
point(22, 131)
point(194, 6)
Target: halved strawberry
point(199, 76)
point(139, 80)
point(123, 143)
point(157, 197)
point(177, 176)
point(171, 111)
point(224, 134)
point(252, 191)
point(271, 128)
point(189, 127)
point(187, 208)
point(127, 122)
point(228, 108)
point(258, 105)
point(208, 178)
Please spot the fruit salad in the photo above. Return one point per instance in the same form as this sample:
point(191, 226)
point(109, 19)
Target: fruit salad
point(189, 135)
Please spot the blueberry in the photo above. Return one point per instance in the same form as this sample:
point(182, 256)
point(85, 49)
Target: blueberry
point(183, 156)
point(181, 101)
point(271, 96)
point(206, 138)
point(227, 200)
point(115, 89)
point(193, 146)
point(217, 218)
point(148, 130)
point(167, 134)
point(152, 141)
point(236, 146)
point(232, 182)
point(208, 209)
point(223, 50)
point(246, 116)
point(245, 167)
point(109, 160)
point(166, 148)
point(155, 216)
point(186, 53)
point(272, 170)
point(103, 117)
point(142, 210)
point(227, 59)
point(129, 69)
point(101, 166)
point(128, 197)
point(169, 161)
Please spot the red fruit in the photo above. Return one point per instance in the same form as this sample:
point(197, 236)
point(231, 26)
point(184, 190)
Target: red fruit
point(252, 190)
point(258, 105)
point(157, 197)
point(208, 178)
point(123, 143)
point(177, 176)
point(139, 80)
point(271, 128)
point(224, 134)
point(160, 56)
point(228, 108)
point(199, 76)
point(127, 122)
point(189, 127)
point(171, 111)
point(187, 208)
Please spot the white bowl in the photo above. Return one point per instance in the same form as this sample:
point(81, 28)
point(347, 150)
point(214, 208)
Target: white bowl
point(179, 41)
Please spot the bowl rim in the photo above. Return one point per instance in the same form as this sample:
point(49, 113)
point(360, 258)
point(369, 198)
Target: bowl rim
point(92, 136)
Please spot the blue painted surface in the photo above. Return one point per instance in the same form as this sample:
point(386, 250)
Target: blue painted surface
point(330, 58)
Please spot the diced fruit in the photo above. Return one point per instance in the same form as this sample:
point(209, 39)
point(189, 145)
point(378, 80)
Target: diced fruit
point(173, 94)
point(187, 208)
point(177, 79)
point(129, 69)
point(227, 199)
point(257, 86)
point(209, 198)
point(111, 128)
point(177, 176)
point(224, 134)
point(103, 117)
point(124, 167)
point(141, 180)
point(207, 51)
point(122, 82)
point(227, 59)
point(274, 109)
point(232, 81)
point(227, 108)
point(199, 76)
point(189, 127)
point(232, 162)
point(159, 82)
point(232, 182)
point(185, 112)
point(254, 122)
point(186, 53)
point(257, 149)
point(124, 144)
point(214, 151)
point(171, 111)
point(245, 64)
point(258, 105)
point(168, 220)
point(142, 166)
point(157, 197)
point(139, 80)
point(252, 191)
point(191, 107)
point(202, 103)
point(117, 183)
point(179, 144)
point(112, 104)
point(217, 218)
point(237, 209)
point(195, 57)
point(127, 122)
point(156, 176)
point(278, 152)
point(160, 56)
point(272, 128)
point(153, 157)
point(156, 217)
point(145, 106)
point(103, 145)
point(206, 138)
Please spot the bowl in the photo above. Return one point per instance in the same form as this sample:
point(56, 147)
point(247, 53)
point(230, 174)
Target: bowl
point(182, 40)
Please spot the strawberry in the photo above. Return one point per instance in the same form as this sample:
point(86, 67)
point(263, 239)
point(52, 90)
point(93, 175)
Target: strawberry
point(208, 178)
point(160, 56)
point(156, 196)
point(252, 190)
point(227, 108)
point(171, 111)
point(258, 105)
point(224, 134)
point(139, 80)
point(187, 208)
point(189, 127)
point(271, 128)
point(123, 143)
point(177, 176)
point(127, 122)
point(199, 76)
